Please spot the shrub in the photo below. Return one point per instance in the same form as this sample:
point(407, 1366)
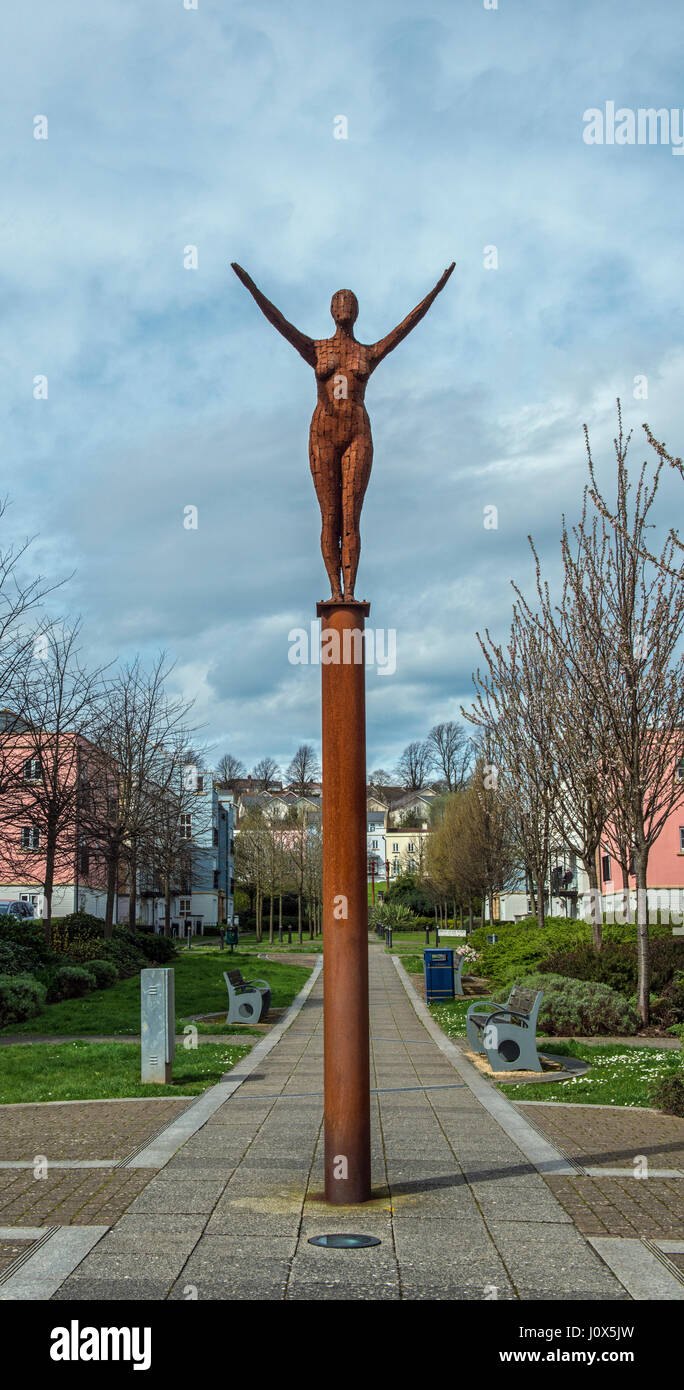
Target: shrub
point(105, 972)
point(123, 949)
point(410, 893)
point(668, 1093)
point(69, 982)
point(581, 1007)
point(14, 959)
point(27, 934)
point(616, 963)
point(158, 949)
point(391, 914)
point(21, 997)
point(523, 946)
point(668, 1009)
point(77, 935)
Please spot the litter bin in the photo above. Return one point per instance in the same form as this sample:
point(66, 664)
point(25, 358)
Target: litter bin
point(439, 974)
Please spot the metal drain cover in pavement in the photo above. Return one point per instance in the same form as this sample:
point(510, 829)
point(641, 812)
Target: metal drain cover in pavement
point(344, 1241)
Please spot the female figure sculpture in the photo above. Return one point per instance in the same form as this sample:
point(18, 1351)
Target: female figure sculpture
point(340, 442)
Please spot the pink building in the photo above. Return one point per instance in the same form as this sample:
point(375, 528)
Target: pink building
point(39, 776)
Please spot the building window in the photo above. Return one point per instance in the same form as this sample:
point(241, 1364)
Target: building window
point(200, 784)
point(84, 861)
point(186, 826)
point(215, 835)
point(216, 878)
point(30, 837)
point(184, 908)
point(681, 839)
point(374, 844)
point(680, 770)
point(32, 770)
point(395, 849)
point(411, 847)
point(605, 868)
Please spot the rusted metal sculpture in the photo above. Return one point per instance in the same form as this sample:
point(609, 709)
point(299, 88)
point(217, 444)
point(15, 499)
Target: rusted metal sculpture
point(341, 453)
point(340, 442)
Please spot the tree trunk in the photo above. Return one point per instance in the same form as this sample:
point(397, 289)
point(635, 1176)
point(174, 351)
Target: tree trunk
point(280, 918)
point(596, 904)
point(132, 886)
point(270, 920)
point(50, 852)
point(111, 893)
point(643, 943)
point(540, 903)
point(299, 918)
point(167, 908)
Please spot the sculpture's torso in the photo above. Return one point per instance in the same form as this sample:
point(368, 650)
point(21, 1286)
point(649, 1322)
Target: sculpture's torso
point(342, 371)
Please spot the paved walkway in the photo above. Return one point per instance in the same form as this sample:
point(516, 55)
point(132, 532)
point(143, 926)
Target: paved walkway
point(460, 1211)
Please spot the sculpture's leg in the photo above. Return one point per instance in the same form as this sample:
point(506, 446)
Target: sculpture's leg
point(325, 471)
point(357, 461)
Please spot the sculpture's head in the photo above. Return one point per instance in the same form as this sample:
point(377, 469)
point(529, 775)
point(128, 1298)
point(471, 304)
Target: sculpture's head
point(344, 308)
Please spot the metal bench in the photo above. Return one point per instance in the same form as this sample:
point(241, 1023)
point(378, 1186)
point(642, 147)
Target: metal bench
point(248, 1000)
point(506, 1033)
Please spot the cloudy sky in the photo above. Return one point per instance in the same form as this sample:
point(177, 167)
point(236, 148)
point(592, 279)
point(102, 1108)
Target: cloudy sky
point(215, 128)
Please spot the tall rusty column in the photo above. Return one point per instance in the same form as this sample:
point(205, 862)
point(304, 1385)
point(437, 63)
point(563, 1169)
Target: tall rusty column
point(345, 903)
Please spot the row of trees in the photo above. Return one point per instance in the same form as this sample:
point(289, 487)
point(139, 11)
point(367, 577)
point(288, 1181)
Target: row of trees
point(97, 777)
point(581, 712)
point(277, 858)
point(303, 770)
point(442, 760)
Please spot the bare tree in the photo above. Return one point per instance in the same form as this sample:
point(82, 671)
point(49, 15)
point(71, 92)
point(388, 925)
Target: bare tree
point(229, 770)
point(514, 708)
point(304, 769)
point(56, 700)
point(265, 772)
point(630, 607)
point(140, 730)
point(415, 764)
point(451, 753)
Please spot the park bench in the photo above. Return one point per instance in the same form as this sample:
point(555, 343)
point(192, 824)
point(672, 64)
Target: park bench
point(506, 1033)
point(248, 1000)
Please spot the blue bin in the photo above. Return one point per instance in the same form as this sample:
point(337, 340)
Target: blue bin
point(439, 974)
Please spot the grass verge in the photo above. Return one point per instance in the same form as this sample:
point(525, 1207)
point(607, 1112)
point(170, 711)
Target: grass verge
point(618, 1075)
point(104, 1071)
point(199, 986)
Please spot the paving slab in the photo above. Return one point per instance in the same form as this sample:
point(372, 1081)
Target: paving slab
point(460, 1202)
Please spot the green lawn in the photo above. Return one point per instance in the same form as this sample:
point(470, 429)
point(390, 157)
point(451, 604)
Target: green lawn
point(104, 1071)
point(618, 1075)
point(199, 986)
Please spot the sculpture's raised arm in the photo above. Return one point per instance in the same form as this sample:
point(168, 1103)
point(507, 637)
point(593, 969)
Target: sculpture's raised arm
point(305, 346)
point(385, 345)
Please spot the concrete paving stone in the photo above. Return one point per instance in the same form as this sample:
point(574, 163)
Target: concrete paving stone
point(155, 1242)
point(501, 1204)
point(466, 1272)
point(263, 1272)
point(457, 1293)
point(551, 1294)
point(208, 1290)
point(234, 1245)
point(345, 1290)
point(193, 1170)
point(182, 1197)
point(111, 1290)
point(241, 1221)
point(107, 1263)
point(550, 1254)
